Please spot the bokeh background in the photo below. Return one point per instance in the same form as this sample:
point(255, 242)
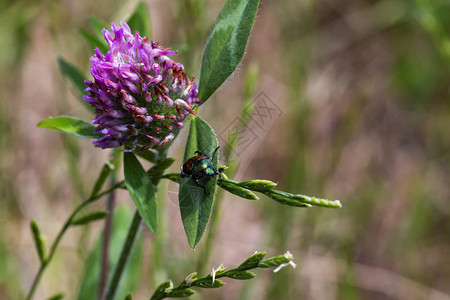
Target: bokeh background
point(362, 88)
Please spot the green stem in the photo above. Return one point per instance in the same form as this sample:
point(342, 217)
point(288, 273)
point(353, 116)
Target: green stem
point(66, 226)
point(159, 271)
point(61, 233)
point(110, 203)
point(53, 249)
point(124, 255)
point(106, 242)
point(205, 254)
point(129, 241)
point(166, 290)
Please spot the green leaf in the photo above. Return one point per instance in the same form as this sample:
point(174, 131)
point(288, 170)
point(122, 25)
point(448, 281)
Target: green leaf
point(175, 177)
point(284, 198)
point(226, 44)
point(157, 170)
point(140, 20)
point(95, 38)
point(208, 284)
point(38, 241)
point(73, 74)
point(141, 190)
point(94, 41)
point(252, 261)
point(274, 261)
point(97, 25)
point(241, 275)
point(195, 204)
point(104, 174)
point(258, 184)
point(229, 186)
point(149, 155)
point(76, 77)
point(70, 125)
point(132, 275)
point(128, 297)
point(317, 201)
point(91, 217)
point(56, 297)
point(180, 293)
point(160, 291)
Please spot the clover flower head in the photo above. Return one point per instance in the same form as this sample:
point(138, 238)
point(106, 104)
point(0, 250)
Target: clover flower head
point(141, 96)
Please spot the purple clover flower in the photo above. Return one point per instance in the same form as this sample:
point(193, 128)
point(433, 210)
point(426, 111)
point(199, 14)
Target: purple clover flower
point(141, 97)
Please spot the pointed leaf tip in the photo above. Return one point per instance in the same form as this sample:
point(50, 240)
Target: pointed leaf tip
point(38, 241)
point(70, 125)
point(226, 44)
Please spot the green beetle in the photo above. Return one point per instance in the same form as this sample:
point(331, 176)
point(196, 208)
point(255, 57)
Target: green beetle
point(199, 167)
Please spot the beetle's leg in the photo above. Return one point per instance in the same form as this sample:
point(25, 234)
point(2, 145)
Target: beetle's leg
point(217, 172)
point(214, 153)
point(202, 186)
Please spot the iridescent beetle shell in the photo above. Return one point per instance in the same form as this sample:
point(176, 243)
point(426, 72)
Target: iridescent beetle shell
point(199, 167)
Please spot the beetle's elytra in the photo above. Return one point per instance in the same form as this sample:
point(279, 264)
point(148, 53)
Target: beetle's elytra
point(199, 167)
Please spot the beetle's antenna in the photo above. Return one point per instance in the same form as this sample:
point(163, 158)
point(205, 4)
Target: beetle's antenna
point(214, 153)
point(200, 153)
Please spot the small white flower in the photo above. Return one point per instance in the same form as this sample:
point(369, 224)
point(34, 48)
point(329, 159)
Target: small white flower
point(288, 255)
point(191, 278)
point(169, 289)
point(220, 269)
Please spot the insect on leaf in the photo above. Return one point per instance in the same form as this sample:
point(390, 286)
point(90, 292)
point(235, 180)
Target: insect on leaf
point(195, 203)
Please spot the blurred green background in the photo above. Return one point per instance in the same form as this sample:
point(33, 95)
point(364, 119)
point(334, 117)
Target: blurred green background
point(362, 87)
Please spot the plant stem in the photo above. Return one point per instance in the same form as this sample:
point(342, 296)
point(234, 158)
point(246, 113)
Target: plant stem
point(53, 248)
point(129, 241)
point(205, 254)
point(104, 266)
point(159, 272)
point(124, 255)
point(106, 242)
point(63, 230)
